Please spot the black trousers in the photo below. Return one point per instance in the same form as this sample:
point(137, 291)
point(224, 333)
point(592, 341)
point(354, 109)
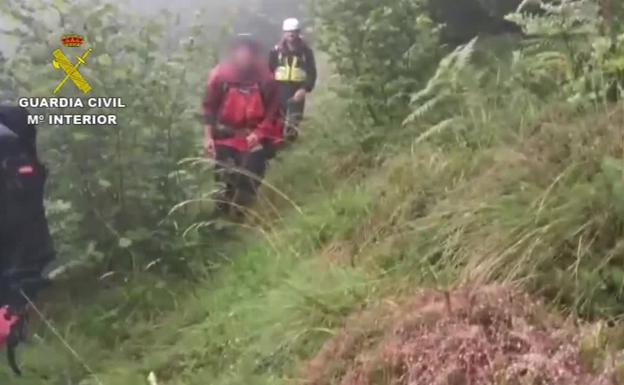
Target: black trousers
point(241, 173)
point(294, 112)
point(291, 110)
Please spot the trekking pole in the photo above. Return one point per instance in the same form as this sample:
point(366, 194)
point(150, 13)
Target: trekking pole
point(58, 335)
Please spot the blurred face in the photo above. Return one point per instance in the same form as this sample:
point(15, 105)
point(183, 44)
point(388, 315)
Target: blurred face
point(292, 36)
point(244, 57)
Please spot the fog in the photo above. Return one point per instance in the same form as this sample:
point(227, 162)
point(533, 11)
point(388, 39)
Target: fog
point(184, 7)
point(260, 17)
point(279, 8)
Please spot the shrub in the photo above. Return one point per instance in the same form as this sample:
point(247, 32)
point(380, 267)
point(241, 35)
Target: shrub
point(111, 187)
point(383, 50)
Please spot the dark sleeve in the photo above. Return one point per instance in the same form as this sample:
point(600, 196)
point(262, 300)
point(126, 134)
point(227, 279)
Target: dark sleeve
point(16, 120)
point(310, 70)
point(273, 60)
point(212, 97)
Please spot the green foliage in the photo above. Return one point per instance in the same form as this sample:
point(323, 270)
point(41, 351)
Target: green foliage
point(446, 85)
point(112, 187)
point(501, 180)
point(572, 41)
point(383, 50)
point(550, 216)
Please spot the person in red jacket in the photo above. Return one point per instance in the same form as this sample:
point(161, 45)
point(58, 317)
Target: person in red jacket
point(241, 111)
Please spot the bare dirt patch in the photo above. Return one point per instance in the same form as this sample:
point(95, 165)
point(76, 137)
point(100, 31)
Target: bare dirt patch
point(468, 337)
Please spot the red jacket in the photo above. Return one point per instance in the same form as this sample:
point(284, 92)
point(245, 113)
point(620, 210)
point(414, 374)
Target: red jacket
point(245, 104)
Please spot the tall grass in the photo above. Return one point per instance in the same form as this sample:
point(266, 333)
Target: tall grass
point(515, 190)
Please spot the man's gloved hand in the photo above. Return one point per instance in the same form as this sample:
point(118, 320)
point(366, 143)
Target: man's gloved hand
point(300, 95)
point(209, 147)
point(253, 141)
point(7, 321)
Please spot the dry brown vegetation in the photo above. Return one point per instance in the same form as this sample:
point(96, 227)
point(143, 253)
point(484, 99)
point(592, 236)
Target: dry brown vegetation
point(491, 335)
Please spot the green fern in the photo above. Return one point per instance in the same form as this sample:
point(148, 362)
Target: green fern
point(570, 40)
point(436, 129)
point(445, 83)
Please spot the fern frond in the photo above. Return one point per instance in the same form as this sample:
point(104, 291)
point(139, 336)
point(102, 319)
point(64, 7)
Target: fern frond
point(436, 129)
point(464, 54)
point(424, 109)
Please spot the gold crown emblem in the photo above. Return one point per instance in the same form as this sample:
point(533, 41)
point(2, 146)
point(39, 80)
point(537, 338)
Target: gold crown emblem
point(72, 40)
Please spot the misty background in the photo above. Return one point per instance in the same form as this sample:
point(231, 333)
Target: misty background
point(262, 18)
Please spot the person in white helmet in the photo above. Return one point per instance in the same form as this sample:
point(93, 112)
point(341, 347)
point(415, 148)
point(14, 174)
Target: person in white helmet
point(294, 67)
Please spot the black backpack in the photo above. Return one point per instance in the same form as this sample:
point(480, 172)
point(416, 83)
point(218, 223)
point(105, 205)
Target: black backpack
point(25, 242)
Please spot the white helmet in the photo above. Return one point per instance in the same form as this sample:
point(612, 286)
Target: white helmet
point(291, 25)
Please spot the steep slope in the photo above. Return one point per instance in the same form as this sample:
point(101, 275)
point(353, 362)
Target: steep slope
point(365, 229)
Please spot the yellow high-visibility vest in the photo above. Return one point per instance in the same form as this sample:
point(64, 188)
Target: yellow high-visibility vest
point(290, 72)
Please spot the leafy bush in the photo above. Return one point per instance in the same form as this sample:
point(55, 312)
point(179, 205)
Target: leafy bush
point(111, 187)
point(383, 50)
point(571, 40)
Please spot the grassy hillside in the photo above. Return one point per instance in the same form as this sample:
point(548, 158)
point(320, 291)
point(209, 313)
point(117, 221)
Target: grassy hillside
point(527, 196)
point(472, 201)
